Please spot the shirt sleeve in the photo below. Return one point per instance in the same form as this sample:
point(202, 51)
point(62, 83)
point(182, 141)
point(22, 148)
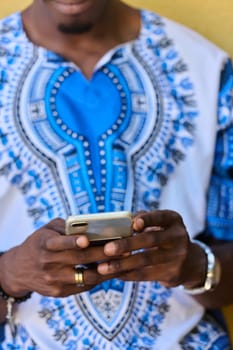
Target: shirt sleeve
point(220, 196)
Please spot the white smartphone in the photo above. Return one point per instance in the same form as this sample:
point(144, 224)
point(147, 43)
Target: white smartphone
point(100, 227)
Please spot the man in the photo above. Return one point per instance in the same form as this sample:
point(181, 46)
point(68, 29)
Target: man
point(108, 108)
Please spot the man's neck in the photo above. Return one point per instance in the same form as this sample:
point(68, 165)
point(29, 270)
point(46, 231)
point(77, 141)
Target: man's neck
point(109, 30)
point(85, 49)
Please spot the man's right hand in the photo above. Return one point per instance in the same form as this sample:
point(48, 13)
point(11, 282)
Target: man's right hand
point(45, 263)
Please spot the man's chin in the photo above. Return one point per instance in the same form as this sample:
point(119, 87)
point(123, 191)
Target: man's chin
point(74, 28)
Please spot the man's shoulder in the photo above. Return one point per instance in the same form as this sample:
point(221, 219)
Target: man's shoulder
point(10, 25)
point(183, 37)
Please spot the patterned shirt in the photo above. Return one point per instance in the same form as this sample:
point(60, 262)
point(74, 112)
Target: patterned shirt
point(139, 135)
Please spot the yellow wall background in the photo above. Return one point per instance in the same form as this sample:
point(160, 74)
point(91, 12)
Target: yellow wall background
point(212, 18)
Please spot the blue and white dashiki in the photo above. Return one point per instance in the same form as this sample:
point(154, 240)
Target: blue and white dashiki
point(139, 135)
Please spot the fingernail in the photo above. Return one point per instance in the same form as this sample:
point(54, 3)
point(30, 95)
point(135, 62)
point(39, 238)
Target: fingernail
point(103, 268)
point(111, 248)
point(138, 224)
point(82, 242)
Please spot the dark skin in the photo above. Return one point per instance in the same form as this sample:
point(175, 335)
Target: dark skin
point(48, 256)
point(41, 22)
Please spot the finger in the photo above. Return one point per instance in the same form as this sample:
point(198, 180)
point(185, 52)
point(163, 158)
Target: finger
point(71, 257)
point(64, 283)
point(72, 276)
point(151, 237)
point(160, 218)
point(166, 276)
point(57, 224)
point(60, 242)
point(150, 257)
point(90, 276)
point(91, 279)
point(147, 273)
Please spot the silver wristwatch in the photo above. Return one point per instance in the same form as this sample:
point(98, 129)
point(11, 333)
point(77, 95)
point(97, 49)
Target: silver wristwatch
point(213, 273)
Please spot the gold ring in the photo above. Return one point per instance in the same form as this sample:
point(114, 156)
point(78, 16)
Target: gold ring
point(79, 277)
